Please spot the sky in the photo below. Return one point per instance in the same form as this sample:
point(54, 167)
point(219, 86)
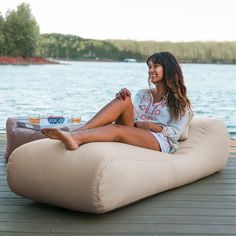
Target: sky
point(158, 20)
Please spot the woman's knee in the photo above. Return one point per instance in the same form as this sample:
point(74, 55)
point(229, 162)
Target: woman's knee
point(117, 129)
point(126, 102)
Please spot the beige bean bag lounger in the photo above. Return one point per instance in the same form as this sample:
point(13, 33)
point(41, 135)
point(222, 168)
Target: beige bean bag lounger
point(100, 177)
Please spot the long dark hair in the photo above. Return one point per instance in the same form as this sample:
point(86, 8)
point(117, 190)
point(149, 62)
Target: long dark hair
point(177, 99)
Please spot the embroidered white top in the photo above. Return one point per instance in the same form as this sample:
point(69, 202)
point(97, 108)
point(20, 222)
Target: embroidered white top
point(146, 110)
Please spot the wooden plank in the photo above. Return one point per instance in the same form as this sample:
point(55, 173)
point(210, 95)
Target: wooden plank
point(95, 234)
point(194, 197)
point(133, 210)
point(12, 233)
point(120, 228)
point(166, 196)
point(143, 203)
point(116, 218)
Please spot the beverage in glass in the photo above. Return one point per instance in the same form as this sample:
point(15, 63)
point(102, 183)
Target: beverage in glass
point(75, 119)
point(34, 119)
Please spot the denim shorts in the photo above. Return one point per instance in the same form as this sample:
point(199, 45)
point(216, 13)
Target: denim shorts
point(163, 141)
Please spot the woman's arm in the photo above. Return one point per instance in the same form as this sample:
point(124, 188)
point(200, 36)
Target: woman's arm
point(149, 125)
point(175, 128)
point(172, 130)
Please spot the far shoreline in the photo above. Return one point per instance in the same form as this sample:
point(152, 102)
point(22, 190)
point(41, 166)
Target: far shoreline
point(123, 61)
point(6, 60)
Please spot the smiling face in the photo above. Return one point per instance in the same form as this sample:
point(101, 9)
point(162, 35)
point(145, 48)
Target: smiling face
point(155, 72)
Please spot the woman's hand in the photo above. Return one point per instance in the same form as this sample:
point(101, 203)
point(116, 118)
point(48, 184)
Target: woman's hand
point(123, 93)
point(142, 125)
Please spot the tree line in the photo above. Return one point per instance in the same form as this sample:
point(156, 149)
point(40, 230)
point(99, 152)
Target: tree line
point(20, 36)
point(71, 47)
point(76, 48)
point(189, 52)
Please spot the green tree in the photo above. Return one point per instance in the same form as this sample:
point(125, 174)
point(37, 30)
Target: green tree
point(2, 47)
point(21, 31)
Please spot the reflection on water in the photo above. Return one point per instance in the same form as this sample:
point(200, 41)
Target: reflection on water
point(84, 87)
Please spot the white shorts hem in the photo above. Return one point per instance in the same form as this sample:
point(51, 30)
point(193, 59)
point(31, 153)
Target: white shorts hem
point(163, 142)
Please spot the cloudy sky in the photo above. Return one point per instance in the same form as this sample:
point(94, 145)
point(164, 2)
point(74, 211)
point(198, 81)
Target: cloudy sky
point(159, 20)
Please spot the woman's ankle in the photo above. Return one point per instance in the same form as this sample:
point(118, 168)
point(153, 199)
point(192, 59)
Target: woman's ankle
point(76, 137)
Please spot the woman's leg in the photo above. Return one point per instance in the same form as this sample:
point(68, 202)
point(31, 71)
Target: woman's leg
point(109, 133)
point(119, 111)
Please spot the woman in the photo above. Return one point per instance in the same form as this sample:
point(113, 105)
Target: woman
point(155, 120)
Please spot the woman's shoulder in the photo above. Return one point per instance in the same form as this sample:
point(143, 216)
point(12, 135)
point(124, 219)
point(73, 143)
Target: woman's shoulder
point(143, 92)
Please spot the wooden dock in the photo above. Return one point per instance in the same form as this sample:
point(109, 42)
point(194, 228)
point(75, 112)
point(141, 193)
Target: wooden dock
point(206, 207)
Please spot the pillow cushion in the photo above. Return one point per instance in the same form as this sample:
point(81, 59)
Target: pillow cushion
point(17, 136)
point(184, 134)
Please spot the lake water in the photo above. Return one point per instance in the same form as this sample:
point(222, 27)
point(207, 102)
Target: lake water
point(85, 87)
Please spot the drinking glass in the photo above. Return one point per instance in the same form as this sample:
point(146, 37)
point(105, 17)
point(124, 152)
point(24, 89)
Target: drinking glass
point(34, 119)
point(75, 118)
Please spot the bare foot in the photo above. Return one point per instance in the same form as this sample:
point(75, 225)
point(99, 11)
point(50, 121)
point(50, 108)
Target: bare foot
point(64, 137)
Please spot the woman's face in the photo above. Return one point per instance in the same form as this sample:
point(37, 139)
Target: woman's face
point(155, 72)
